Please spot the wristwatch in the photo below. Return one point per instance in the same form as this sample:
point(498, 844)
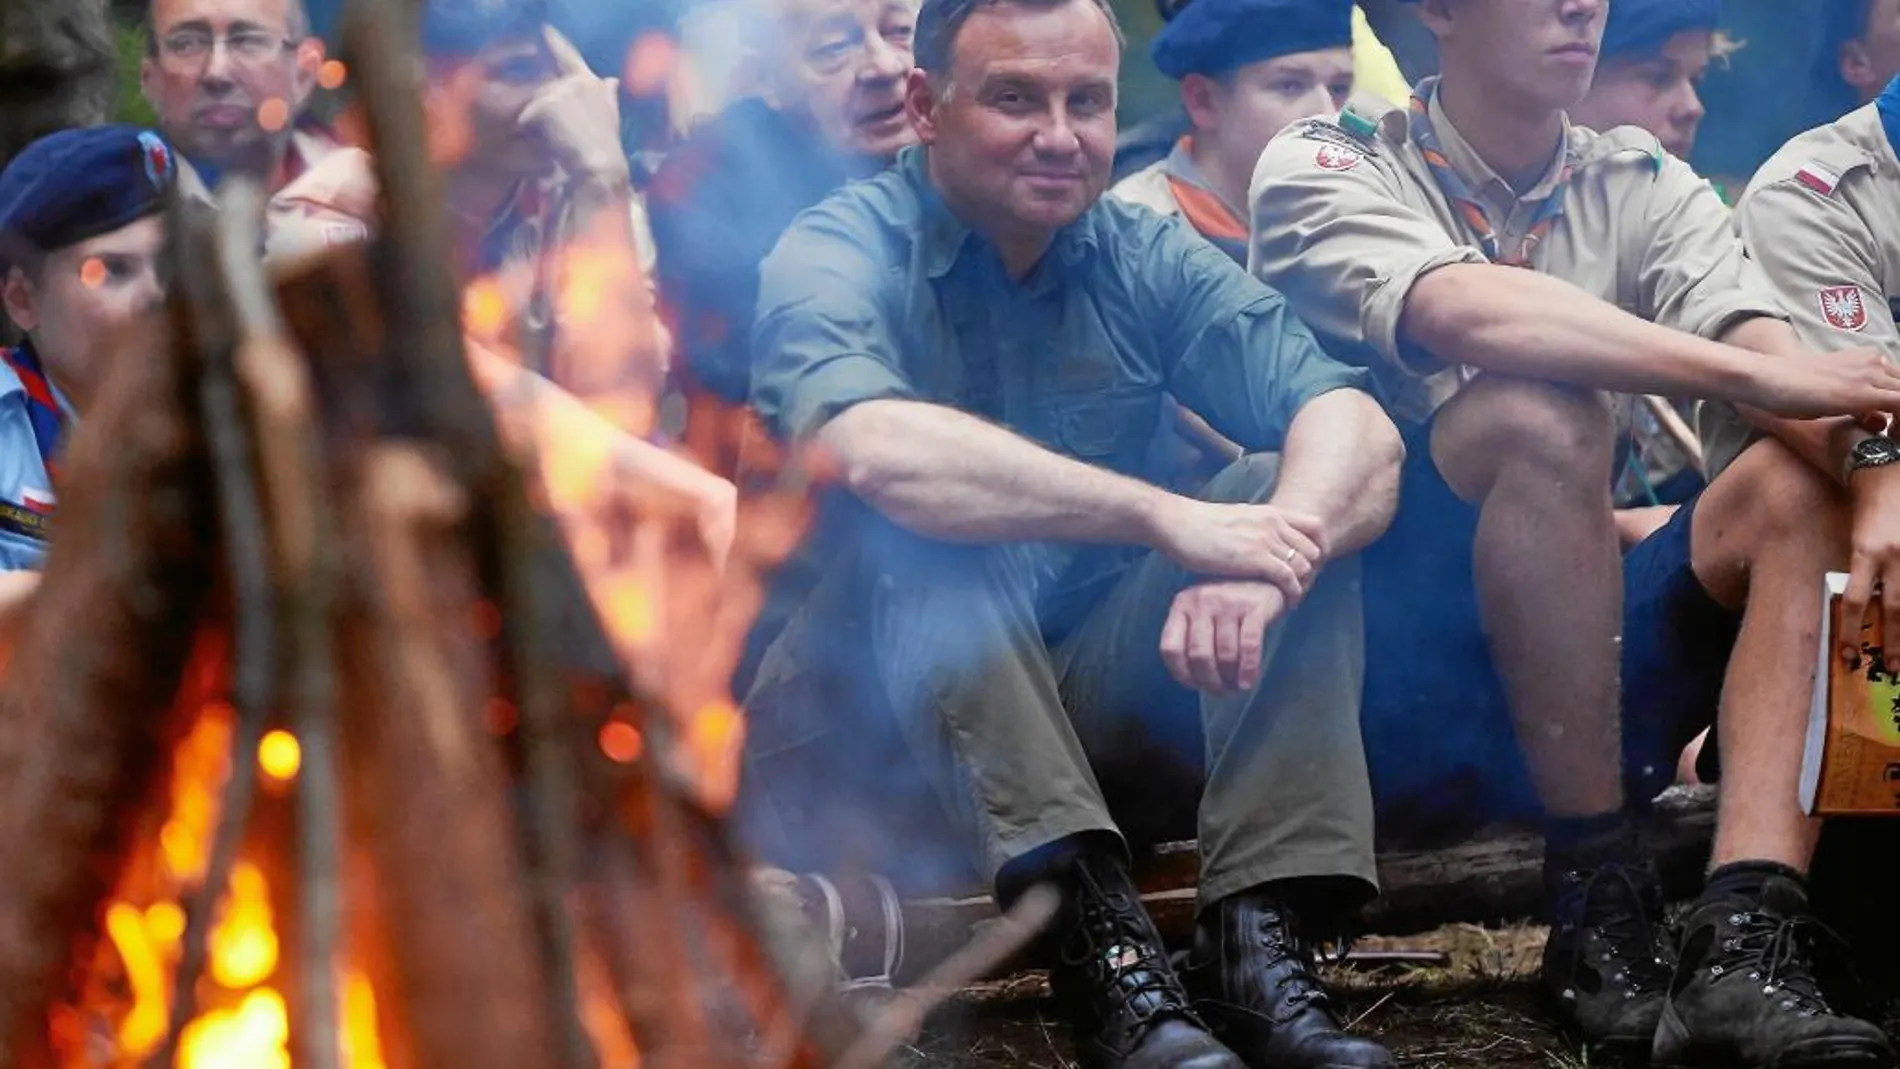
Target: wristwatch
point(1875, 452)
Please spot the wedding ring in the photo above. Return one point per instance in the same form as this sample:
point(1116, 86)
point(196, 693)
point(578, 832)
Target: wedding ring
point(1290, 554)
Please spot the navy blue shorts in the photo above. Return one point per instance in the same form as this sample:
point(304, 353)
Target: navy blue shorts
point(1439, 736)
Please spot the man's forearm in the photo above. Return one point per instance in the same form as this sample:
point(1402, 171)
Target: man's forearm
point(1524, 323)
point(1825, 443)
point(948, 475)
point(1341, 463)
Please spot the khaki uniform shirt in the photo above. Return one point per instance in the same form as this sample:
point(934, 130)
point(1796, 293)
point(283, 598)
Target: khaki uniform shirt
point(1822, 218)
point(1148, 187)
point(1345, 223)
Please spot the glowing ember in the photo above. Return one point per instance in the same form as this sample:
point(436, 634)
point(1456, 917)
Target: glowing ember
point(279, 756)
point(273, 114)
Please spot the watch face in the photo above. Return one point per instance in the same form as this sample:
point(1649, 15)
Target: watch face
point(1877, 450)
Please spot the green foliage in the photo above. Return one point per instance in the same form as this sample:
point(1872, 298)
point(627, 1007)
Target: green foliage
point(128, 104)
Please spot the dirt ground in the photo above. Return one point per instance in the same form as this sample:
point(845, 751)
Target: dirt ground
point(1480, 1011)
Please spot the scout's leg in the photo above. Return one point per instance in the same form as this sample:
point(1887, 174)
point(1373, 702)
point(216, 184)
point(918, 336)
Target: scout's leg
point(1535, 460)
point(956, 649)
point(1285, 817)
point(1745, 994)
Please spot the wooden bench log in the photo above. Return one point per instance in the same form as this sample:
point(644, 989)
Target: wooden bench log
point(1493, 878)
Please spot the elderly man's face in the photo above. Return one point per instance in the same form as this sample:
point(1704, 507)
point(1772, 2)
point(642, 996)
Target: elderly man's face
point(1539, 54)
point(81, 294)
point(843, 63)
point(1022, 130)
point(1656, 92)
point(213, 63)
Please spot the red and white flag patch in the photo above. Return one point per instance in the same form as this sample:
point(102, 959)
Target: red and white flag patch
point(1844, 307)
point(1818, 178)
point(40, 501)
point(1336, 158)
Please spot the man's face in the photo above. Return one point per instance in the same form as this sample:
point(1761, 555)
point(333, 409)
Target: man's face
point(1656, 92)
point(489, 91)
point(844, 63)
point(213, 62)
point(1237, 115)
point(1022, 131)
point(1872, 60)
point(1540, 54)
point(82, 294)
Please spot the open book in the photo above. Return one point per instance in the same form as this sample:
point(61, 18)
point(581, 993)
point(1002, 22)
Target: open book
point(1852, 761)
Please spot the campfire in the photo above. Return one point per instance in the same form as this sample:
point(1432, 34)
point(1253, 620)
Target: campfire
point(371, 730)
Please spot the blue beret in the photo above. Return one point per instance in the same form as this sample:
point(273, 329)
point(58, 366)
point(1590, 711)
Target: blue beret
point(465, 27)
point(1644, 25)
point(1217, 36)
point(81, 183)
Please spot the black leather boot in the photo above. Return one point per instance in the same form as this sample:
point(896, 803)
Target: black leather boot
point(1113, 980)
point(1608, 960)
point(1745, 995)
point(1253, 979)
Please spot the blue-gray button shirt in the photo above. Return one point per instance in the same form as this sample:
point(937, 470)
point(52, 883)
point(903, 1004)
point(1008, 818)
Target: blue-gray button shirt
point(880, 292)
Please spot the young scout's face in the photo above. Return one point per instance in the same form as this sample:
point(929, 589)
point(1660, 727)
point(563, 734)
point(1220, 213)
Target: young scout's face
point(1238, 114)
point(82, 294)
point(213, 63)
point(1656, 92)
point(844, 64)
point(1540, 53)
point(1871, 60)
point(491, 89)
point(1022, 131)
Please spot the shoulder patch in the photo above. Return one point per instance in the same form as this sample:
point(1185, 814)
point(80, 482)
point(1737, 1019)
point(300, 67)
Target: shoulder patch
point(1844, 307)
point(1820, 179)
point(1332, 157)
point(1328, 133)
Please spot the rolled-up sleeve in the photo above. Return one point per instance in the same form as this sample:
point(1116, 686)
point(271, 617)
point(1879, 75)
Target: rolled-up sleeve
point(822, 338)
point(1237, 354)
point(1343, 246)
point(1692, 273)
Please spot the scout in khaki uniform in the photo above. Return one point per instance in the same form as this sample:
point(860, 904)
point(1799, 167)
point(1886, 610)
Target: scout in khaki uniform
point(1499, 269)
point(1247, 68)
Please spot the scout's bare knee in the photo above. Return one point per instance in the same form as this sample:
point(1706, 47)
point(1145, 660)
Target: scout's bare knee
point(1563, 436)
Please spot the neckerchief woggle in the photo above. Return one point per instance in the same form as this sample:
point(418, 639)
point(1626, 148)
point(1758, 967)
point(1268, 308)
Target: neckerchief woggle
point(1544, 214)
point(42, 405)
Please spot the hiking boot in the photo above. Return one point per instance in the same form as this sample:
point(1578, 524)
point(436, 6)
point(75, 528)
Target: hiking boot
point(1607, 964)
point(1252, 975)
point(1745, 995)
point(1114, 982)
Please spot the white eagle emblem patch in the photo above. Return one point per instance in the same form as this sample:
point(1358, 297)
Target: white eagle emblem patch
point(1336, 158)
point(1844, 307)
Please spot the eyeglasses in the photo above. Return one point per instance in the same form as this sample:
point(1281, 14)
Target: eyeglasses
point(193, 48)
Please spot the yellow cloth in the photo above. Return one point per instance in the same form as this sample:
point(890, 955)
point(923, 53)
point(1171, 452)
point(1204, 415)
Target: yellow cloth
point(1374, 69)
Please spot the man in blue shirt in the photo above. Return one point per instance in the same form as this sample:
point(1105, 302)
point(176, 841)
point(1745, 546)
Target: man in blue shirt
point(80, 237)
point(983, 344)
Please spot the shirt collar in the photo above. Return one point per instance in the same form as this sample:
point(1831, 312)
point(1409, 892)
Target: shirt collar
point(945, 236)
point(1180, 164)
point(1486, 182)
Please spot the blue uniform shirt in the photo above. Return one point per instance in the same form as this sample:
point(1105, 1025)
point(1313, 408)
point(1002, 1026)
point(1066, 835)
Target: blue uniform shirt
point(30, 412)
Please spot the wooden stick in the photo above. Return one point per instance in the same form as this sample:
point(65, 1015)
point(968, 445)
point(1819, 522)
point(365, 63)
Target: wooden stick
point(277, 388)
point(254, 650)
point(1678, 430)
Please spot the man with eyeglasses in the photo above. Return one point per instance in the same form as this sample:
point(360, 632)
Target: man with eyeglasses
point(229, 80)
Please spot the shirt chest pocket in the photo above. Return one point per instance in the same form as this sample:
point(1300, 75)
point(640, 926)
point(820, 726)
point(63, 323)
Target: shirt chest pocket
point(1101, 427)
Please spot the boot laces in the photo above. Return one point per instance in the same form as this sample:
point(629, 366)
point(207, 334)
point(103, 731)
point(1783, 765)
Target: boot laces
point(1283, 946)
point(1617, 904)
point(1117, 950)
point(1781, 951)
